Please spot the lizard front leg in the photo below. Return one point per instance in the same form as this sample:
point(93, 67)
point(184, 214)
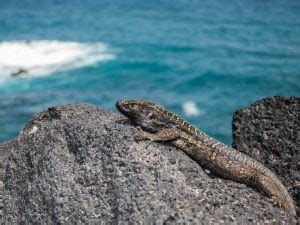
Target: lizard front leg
point(167, 134)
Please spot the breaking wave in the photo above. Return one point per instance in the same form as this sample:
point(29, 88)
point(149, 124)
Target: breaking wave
point(43, 57)
point(190, 109)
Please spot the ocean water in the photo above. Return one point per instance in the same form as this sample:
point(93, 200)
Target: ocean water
point(201, 59)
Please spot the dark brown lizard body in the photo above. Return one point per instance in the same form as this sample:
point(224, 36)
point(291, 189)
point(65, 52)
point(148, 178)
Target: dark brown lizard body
point(158, 124)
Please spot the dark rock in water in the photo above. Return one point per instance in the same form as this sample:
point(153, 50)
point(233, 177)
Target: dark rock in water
point(79, 163)
point(19, 72)
point(268, 131)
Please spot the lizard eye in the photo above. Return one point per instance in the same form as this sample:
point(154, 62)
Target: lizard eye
point(133, 104)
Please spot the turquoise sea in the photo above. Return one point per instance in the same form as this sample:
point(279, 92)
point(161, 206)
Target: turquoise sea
point(201, 59)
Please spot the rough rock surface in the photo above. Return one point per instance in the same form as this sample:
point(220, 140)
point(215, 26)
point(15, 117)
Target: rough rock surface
point(5, 149)
point(268, 131)
point(80, 163)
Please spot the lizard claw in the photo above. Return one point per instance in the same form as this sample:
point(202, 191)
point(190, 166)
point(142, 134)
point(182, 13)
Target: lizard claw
point(275, 201)
point(139, 135)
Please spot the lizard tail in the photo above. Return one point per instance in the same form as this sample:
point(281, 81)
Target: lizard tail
point(273, 187)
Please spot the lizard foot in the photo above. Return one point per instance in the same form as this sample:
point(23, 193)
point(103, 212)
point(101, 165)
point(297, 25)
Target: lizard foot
point(139, 134)
point(275, 201)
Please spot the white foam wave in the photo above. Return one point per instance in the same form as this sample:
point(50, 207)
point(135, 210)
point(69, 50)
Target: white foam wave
point(190, 109)
point(43, 57)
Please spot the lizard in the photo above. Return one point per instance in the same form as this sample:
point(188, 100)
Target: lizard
point(156, 124)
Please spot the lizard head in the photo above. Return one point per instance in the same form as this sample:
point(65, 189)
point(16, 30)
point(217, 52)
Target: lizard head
point(146, 114)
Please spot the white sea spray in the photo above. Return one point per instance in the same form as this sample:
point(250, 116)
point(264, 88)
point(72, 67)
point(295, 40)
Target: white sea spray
point(44, 57)
point(190, 109)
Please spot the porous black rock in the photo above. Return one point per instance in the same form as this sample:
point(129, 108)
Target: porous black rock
point(80, 163)
point(268, 131)
point(5, 149)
